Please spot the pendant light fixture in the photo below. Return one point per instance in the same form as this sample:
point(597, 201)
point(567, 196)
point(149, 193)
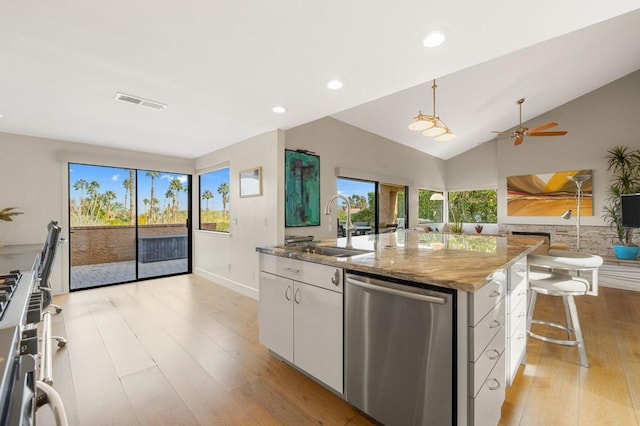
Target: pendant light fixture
point(432, 125)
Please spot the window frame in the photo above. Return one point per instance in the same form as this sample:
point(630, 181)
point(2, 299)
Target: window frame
point(228, 199)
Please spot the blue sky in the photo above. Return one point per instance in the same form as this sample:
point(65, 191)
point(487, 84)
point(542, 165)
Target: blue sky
point(350, 187)
point(212, 181)
point(111, 178)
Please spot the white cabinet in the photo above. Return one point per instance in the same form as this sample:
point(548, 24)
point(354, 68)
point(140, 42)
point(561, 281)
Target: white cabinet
point(486, 352)
point(516, 317)
point(301, 316)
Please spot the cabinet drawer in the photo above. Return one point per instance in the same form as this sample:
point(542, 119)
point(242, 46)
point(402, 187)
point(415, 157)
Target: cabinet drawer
point(488, 296)
point(518, 273)
point(517, 297)
point(517, 314)
point(486, 407)
point(486, 329)
point(323, 276)
point(517, 345)
point(487, 360)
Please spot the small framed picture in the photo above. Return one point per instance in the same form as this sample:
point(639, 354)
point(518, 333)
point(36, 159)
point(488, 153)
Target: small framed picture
point(251, 182)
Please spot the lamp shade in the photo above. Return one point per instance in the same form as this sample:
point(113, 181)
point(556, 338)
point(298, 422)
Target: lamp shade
point(421, 124)
point(567, 215)
point(436, 196)
point(447, 136)
point(434, 131)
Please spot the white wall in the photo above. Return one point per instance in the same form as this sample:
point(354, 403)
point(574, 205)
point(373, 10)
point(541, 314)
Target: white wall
point(595, 122)
point(230, 259)
point(35, 179)
point(360, 154)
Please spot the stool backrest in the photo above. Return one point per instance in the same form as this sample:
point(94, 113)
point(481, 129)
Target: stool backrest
point(47, 257)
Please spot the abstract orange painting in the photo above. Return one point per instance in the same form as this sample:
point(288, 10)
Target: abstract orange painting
point(548, 194)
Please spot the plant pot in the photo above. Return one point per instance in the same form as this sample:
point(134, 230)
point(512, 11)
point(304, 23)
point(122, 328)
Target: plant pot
point(626, 252)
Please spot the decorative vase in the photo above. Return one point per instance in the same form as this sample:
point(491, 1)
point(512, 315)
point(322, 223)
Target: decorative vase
point(626, 252)
point(478, 229)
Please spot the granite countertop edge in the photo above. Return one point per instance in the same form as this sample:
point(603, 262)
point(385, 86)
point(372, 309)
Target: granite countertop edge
point(393, 264)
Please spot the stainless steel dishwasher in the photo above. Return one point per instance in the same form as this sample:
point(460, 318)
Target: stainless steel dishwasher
point(400, 358)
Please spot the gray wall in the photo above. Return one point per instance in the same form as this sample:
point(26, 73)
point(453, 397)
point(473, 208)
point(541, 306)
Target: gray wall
point(360, 154)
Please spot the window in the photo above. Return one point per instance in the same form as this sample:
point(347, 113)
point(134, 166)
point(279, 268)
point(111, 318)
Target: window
point(430, 206)
point(214, 200)
point(480, 206)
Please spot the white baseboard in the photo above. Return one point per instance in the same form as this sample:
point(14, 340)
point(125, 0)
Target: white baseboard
point(621, 277)
point(226, 282)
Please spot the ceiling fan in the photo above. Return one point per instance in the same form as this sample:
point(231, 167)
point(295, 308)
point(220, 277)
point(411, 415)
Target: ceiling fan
point(521, 132)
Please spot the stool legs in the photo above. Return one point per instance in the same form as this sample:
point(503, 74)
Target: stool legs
point(572, 327)
point(577, 331)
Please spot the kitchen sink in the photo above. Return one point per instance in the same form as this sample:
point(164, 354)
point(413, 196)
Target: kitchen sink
point(328, 250)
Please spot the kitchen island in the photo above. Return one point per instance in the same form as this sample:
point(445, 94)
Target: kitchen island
point(305, 314)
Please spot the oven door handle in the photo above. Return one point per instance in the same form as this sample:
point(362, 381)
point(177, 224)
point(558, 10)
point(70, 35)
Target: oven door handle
point(394, 292)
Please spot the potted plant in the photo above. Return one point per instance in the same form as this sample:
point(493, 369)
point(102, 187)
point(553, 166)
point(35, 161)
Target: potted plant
point(624, 166)
point(7, 213)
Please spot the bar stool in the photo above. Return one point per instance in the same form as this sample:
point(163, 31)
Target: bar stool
point(558, 275)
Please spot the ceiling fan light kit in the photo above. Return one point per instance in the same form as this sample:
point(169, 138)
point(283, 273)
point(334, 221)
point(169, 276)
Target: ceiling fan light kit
point(519, 134)
point(432, 125)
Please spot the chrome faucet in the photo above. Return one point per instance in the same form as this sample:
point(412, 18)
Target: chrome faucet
point(349, 226)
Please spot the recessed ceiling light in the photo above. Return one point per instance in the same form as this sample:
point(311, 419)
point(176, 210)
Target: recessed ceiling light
point(433, 39)
point(0, 115)
point(334, 84)
point(278, 109)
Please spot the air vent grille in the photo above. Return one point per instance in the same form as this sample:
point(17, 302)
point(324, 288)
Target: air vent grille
point(136, 100)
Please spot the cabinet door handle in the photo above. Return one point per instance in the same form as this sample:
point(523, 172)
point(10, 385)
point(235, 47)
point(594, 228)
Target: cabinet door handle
point(496, 356)
point(521, 336)
point(496, 386)
point(286, 293)
point(495, 324)
point(294, 270)
point(295, 296)
point(521, 293)
point(521, 314)
point(336, 277)
point(495, 293)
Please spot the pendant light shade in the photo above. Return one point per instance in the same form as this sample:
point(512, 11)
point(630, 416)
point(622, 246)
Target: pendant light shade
point(447, 136)
point(431, 125)
point(434, 131)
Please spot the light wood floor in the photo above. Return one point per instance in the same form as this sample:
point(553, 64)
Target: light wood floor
point(181, 351)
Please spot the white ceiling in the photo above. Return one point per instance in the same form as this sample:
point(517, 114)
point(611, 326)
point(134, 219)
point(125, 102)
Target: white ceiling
point(222, 66)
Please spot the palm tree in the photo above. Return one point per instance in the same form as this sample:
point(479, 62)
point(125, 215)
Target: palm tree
point(176, 186)
point(132, 207)
point(146, 203)
point(92, 190)
point(152, 175)
point(223, 190)
point(169, 196)
point(80, 185)
point(207, 195)
point(109, 196)
point(126, 184)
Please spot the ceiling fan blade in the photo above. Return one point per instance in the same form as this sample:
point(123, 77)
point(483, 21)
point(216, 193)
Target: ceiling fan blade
point(501, 133)
point(543, 127)
point(518, 140)
point(559, 133)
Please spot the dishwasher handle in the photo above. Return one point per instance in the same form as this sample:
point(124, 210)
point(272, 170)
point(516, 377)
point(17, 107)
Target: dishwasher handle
point(392, 291)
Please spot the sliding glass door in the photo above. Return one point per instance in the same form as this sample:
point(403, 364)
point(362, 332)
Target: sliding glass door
point(163, 216)
point(126, 225)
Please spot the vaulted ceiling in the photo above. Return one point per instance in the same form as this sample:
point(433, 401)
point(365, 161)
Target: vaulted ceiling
point(222, 66)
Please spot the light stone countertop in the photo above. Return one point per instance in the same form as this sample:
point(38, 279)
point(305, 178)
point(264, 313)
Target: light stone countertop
point(461, 262)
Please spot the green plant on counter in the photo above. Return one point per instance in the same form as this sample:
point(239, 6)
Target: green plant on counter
point(624, 166)
point(7, 213)
point(456, 227)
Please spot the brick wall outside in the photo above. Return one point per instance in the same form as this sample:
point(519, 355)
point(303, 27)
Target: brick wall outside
point(104, 244)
